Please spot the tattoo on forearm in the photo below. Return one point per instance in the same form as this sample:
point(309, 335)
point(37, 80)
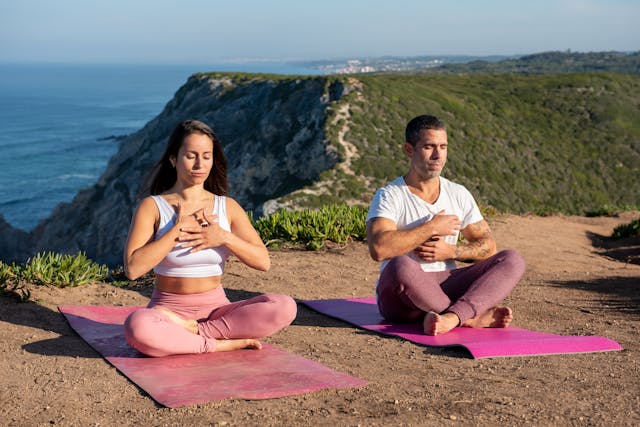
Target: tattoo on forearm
point(479, 248)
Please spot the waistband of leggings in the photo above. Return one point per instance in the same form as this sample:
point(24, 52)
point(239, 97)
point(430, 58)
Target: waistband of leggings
point(208, 297)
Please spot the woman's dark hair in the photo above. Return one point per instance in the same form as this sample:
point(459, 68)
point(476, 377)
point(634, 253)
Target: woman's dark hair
point(420, 123)
point(164, 175)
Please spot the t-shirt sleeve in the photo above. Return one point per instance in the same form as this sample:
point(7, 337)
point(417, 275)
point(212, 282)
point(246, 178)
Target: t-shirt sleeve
point(383, 206)
point(470, 209)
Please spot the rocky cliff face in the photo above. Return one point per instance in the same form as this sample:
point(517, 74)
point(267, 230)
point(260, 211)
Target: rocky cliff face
point(15, 244)
point(272, 131)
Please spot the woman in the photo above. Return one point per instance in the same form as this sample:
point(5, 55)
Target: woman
point(185, 231)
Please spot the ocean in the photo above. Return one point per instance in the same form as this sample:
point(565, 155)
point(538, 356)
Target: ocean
point(58, 123)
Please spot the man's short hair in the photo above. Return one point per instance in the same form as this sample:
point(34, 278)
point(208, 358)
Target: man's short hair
point(420, 123)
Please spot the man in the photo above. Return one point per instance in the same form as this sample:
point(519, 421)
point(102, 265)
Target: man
point(413, 226)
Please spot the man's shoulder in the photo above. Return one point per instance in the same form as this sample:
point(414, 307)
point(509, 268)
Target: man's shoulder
point(388, 200)
point(394, 186)
point(452, 187)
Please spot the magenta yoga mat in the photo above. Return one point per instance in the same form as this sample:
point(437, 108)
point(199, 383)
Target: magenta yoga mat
point(180, 380)
point(481, 342)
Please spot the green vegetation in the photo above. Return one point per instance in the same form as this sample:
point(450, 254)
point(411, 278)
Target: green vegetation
point(52, 269)
point(601, 211)
point(540, 144)
point(49, 269)
point(243, 77)
point(312, 228)
point(627, 230)
point(549, 63)
point(11, 282)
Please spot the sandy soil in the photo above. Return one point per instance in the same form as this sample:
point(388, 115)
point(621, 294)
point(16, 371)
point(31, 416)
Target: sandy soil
point(578, 282)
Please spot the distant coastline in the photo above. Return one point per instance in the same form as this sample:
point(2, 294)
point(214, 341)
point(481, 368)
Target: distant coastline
point(358, 65)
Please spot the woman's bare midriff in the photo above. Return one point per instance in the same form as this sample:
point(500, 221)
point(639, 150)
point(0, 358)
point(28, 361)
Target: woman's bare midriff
point(187, 285)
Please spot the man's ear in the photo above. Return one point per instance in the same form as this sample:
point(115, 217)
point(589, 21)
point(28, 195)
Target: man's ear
point(408, 149)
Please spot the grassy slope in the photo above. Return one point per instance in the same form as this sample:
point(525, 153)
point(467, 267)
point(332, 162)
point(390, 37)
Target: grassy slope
point(550, 62)
point(568, 143)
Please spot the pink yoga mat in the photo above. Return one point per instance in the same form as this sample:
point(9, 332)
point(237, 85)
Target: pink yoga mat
point(481, 342)
point(181, 380)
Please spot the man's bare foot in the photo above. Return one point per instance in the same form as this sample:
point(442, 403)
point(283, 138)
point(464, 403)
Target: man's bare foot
point(237, 344)
point(189, 325)
point(495, 317)
point(435, 323)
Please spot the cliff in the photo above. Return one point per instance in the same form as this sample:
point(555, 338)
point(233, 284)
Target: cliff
point(271, 128)
point(15, 244)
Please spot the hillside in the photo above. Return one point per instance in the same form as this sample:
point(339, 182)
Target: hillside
point(548, 63)
point(553, 62)
point(539, 144)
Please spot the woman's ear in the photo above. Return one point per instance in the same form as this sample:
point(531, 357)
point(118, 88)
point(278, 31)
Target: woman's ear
point(172, 159)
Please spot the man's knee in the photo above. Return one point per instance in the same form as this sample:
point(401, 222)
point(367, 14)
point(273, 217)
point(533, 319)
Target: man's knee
point(398, 280)
point(514, 260)
point(400, 269)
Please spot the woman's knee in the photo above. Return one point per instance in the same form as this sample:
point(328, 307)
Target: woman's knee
point(285, 308)
point(138, 327)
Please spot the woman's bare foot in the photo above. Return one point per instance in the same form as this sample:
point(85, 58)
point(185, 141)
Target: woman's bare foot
point(189, 325)
point(435, 323)
point(237, 344)
point(495, 317)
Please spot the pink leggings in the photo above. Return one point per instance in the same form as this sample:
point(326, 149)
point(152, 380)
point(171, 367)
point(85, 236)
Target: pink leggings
point(151, 332)
point(406, 292)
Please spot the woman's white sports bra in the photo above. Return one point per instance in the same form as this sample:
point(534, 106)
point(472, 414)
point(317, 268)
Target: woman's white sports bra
point(179, 262)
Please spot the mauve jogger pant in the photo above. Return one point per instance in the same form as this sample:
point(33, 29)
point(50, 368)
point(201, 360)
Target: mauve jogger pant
point(406, 292)
point(151, 332)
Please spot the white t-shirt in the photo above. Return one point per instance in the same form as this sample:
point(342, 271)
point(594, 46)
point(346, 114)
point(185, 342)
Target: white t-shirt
point(396, 202)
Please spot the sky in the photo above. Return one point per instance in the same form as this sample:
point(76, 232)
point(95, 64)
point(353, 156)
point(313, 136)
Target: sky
point(210, 31)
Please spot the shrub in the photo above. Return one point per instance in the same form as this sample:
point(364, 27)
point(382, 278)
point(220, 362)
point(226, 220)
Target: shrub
point(336, 223)
point(51, 269)
point(627, 230)
point(488, 211)
point(605, 210)
point(11, 283)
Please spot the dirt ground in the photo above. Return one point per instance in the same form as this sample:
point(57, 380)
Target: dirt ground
point(578, 282)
